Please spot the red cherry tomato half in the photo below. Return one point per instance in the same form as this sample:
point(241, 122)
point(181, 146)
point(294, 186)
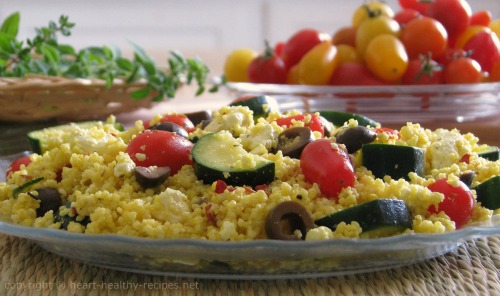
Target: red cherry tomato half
point(179, 119)
point(458, 201)
point(16, 165)
point(160, 148)
point(314, 124)
point(389, 131)
point(298, 44)
point(327, 165)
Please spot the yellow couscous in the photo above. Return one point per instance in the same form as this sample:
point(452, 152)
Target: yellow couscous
point(94, 175)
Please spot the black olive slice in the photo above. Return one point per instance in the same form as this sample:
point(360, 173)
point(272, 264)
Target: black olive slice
point(197, 117)
point(467, 178)
point(327, 126)
point(153, 176)
point(170, 127)
point(355, 137)
point(293, 140)
point(50, 199)
point(287, 217)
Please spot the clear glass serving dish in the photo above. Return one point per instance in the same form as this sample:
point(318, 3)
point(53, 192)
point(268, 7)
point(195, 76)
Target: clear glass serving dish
point(258, 259)
point(395, 103)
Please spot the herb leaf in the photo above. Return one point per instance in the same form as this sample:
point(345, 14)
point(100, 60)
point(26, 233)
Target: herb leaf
point(43, 54)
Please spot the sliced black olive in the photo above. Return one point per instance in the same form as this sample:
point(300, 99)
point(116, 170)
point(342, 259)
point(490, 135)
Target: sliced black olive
point(50, 199)
point(170, 127)
point(327, 126)
point(153, 176)
point(355, 137)
point(204, 123)
point(286, 218)
point(197, 117)
point(66, 219)
point(293, 140)
point(467, 178)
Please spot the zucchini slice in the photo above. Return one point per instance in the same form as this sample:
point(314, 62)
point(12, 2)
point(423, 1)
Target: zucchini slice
point(393, 160)
point(260, 105)
point(488, 193)
point(491, 153)
point(219, 156)
point(38, 139)
point(377, 218)
point(338, 118)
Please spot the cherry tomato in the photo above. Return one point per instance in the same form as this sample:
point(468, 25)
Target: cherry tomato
point(423, 71)
point(347, 54)
point(481, 17)
point(406, 15)
point(468, 34)
point(267, 68)
point(236, 64)
point(179, 119)
point(463, 70)
point(300, 43)
point(423, 36)
point(345, 35)
point(278, 48)
point(314, 124)
point(16, 165)
point(495, 27)
point(452, 54)
point(458, 201)
point(327, 165)
point(495, 72)
point(372, 28)
point(293, 75)
point(484, 48)
point(160, 148)
point(453, 14)
point(418, 5)
point(387, 130)
point(370, 10)
point(354, 74)
point(318, 64)
point(386, 57)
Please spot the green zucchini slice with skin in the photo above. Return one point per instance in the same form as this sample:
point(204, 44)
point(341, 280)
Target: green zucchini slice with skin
point(338, 118)
point(393, 160)
point(491, 153)
point(260, 105)
point(377, 218)
point(36, 138)
point(488, 193)
point(219, 156)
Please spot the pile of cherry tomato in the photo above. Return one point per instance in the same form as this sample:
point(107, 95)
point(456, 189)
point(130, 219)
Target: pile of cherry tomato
point(425, 42)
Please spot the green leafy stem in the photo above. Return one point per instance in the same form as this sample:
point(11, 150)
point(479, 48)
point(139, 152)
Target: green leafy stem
point(44, 55)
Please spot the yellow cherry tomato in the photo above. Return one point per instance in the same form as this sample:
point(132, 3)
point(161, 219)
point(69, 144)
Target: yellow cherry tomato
point(318, 64)
point(347, 54)
point(236, 64)
point(293, 75)
point(495, 27)
point(369, 10)
point(373, 27)
point(468, 34)
point(386, 58)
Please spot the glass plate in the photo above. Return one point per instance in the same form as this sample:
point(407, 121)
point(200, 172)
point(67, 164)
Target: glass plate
point(395, 103)
point(258, 259)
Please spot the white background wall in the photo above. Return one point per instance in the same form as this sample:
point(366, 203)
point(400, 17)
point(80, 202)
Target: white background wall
point(208, 29)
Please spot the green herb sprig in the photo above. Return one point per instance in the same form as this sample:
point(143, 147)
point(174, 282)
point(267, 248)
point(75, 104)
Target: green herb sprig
point(44, 55)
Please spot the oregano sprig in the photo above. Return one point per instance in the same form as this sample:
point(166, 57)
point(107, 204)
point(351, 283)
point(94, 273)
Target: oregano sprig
point(45, 55)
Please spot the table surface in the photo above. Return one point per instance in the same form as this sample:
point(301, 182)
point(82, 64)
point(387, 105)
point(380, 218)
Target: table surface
point(472, 269)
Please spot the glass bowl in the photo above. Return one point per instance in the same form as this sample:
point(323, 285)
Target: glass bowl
point(394, 103)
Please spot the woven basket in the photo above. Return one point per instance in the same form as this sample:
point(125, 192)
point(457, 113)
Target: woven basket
point(36, 98)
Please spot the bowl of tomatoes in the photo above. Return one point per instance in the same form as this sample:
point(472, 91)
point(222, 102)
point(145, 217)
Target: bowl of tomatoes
point(437, 60)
